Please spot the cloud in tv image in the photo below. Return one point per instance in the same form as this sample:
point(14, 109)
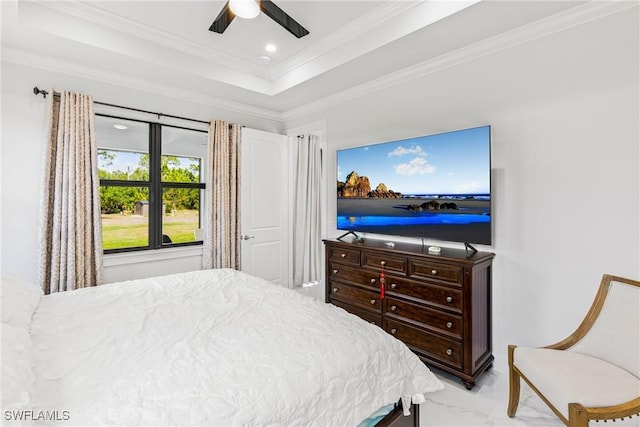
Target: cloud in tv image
point(434, 186)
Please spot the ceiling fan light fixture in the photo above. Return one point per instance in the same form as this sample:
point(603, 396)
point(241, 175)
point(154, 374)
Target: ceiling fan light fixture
point(247, 9)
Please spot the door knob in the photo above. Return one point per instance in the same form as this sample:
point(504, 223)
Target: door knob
point(245, 237)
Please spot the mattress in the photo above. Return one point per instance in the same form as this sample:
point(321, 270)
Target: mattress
point(212, 347)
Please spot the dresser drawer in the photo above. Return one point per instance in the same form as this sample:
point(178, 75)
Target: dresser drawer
point(368, 316)
point(392, 264)
point(357, 276)
point(433, 346)
point(433, 295)
point(369, 300)
point(432, 319)
point(346, 256)
point(421, 269)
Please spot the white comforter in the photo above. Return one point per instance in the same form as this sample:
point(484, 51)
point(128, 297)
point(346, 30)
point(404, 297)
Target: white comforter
point(215, 347)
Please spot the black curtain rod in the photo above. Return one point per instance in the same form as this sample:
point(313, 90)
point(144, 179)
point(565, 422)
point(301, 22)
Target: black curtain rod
point(44, 94)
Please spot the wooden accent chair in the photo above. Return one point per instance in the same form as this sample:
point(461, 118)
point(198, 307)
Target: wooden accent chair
point(594, 374)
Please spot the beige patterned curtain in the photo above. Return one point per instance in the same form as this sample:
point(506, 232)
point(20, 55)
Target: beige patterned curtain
point(70, 224)
point(222, 197)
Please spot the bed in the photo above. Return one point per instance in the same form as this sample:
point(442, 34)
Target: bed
point(210, 347)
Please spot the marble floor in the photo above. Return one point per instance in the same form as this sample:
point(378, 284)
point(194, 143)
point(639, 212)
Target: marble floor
point(486, 405)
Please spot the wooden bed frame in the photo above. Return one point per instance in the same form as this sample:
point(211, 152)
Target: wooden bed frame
point(396, 418)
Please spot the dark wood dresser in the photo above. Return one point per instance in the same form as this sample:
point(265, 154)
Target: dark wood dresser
point(439, 305)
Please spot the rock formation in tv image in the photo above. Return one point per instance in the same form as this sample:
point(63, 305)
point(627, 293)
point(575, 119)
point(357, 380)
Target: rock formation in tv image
point(359, 186)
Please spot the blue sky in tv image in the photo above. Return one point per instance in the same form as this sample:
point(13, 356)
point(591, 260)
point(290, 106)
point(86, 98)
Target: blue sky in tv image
point(451, 163)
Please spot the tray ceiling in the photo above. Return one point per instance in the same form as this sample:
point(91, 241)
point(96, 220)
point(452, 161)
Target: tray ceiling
point(353, 46)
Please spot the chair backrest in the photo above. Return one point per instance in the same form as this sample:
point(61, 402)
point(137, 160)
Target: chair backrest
point(615, 334)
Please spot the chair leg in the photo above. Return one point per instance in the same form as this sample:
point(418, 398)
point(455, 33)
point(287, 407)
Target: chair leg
point(514, 384)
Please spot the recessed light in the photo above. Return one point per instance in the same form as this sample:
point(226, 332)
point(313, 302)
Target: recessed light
point(271, 47)
point(120, 126)
point(265, 58)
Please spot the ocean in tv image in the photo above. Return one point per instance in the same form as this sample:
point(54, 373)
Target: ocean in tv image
point(434, 186)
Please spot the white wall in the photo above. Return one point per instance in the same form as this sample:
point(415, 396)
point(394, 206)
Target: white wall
point(565, 149)
point(24, 129)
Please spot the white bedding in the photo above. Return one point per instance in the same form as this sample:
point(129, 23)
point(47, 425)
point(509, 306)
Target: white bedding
point(213, 347)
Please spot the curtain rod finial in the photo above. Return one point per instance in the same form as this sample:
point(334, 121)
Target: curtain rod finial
point(37, 91)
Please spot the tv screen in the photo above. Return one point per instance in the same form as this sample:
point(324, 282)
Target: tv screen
point(434, 186)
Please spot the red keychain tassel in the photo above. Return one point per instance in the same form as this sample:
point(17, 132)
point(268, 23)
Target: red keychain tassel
point(382, 282)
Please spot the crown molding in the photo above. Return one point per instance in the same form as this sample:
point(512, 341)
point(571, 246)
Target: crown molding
point(375, 18)
point(47, 63)
point(384, 25)
point(71, 26)
point(361, 36)
point(576, 16)
point(90, 13)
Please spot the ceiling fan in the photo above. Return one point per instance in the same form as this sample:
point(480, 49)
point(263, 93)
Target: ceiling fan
point(229, 11)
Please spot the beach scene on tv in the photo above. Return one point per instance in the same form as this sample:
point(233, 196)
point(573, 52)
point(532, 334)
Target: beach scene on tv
point(435, 186)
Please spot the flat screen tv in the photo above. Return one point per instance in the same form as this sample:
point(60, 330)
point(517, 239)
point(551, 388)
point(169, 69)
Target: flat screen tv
point(434, 186)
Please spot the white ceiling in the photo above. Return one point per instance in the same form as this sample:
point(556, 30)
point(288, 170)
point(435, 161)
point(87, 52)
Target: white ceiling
point(353, 46)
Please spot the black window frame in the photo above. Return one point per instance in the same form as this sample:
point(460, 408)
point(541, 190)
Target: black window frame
point(155, 187)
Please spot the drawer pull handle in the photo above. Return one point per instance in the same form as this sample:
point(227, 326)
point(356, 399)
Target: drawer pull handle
point(373, 322)
point(449, 299)
point(434, 272)
point(393, 331)
point(394, 308)
point(383, 262)
point(373, 280)
point(449, 325)
point(393, 286)
point(335, 271)
point(449, 352)
point(373, 302)
point(335, 290)
point(343, 255)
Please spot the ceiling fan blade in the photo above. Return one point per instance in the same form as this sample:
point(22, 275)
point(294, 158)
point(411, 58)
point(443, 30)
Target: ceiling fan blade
point(280, 16)
point(223, 20)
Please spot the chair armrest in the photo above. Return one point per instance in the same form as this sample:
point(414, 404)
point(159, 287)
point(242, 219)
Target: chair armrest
point(591, 316)
point(579, 416)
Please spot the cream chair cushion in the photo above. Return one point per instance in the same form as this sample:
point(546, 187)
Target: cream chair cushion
point(565, 377)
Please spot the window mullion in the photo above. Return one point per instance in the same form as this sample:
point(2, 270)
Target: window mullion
point(155, 192)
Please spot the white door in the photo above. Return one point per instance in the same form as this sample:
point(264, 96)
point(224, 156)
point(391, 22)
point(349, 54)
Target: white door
point(265, 200)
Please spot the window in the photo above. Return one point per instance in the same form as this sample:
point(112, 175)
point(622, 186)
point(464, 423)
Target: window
point(151, 184)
